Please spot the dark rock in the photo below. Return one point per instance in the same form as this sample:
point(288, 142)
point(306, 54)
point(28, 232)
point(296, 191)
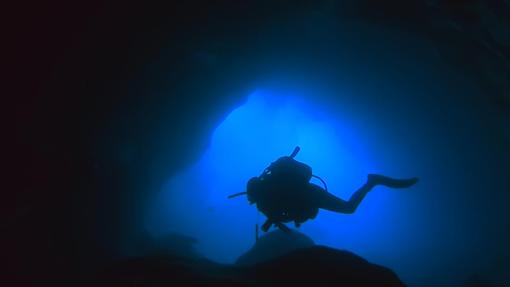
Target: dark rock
point(163, 271)
point(322, 266)
point(175, 244)
point(476, 280)
point(313, 266)
point(274, 244)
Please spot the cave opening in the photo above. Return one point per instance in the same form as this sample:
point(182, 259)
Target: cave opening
point(269, 125)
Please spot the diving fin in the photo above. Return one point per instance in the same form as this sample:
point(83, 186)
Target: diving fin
point(377, 179)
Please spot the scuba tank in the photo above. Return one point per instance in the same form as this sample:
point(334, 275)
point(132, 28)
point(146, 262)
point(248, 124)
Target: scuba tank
point(283, 168)
point(288, 168)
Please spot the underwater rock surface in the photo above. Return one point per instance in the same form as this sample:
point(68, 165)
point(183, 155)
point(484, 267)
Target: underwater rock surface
point(274, 244)
point(172, 244)
point(312, 266)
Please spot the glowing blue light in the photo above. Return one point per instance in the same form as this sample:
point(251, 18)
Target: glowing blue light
point(268, 126)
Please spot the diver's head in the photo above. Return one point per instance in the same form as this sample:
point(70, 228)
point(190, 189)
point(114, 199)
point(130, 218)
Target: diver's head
point(253, 189)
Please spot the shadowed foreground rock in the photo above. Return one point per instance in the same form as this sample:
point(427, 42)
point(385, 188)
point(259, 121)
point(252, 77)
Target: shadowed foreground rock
point(313, 266)
point(274, 244)
point(322, 266)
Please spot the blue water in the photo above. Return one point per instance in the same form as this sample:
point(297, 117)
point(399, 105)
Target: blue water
point(269, 125)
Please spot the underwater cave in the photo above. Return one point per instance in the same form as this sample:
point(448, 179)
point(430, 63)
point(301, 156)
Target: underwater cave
point(131, 124)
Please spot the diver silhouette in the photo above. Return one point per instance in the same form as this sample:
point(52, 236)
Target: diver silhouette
point(284, 193)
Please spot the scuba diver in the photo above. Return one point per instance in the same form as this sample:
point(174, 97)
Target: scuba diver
point(284, 193)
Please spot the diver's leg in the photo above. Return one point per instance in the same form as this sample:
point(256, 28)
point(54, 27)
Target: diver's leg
point(328, 201)
point(282, 227)
point(265, 227)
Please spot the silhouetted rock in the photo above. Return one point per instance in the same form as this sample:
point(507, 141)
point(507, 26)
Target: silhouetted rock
point(476, 280)
point(161, 271)
point(170, 244)
point(274, 244)
point(313, 266)
point(322, 266)
point(177, 244)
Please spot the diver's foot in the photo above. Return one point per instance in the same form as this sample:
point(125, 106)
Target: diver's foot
point(377, 179)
